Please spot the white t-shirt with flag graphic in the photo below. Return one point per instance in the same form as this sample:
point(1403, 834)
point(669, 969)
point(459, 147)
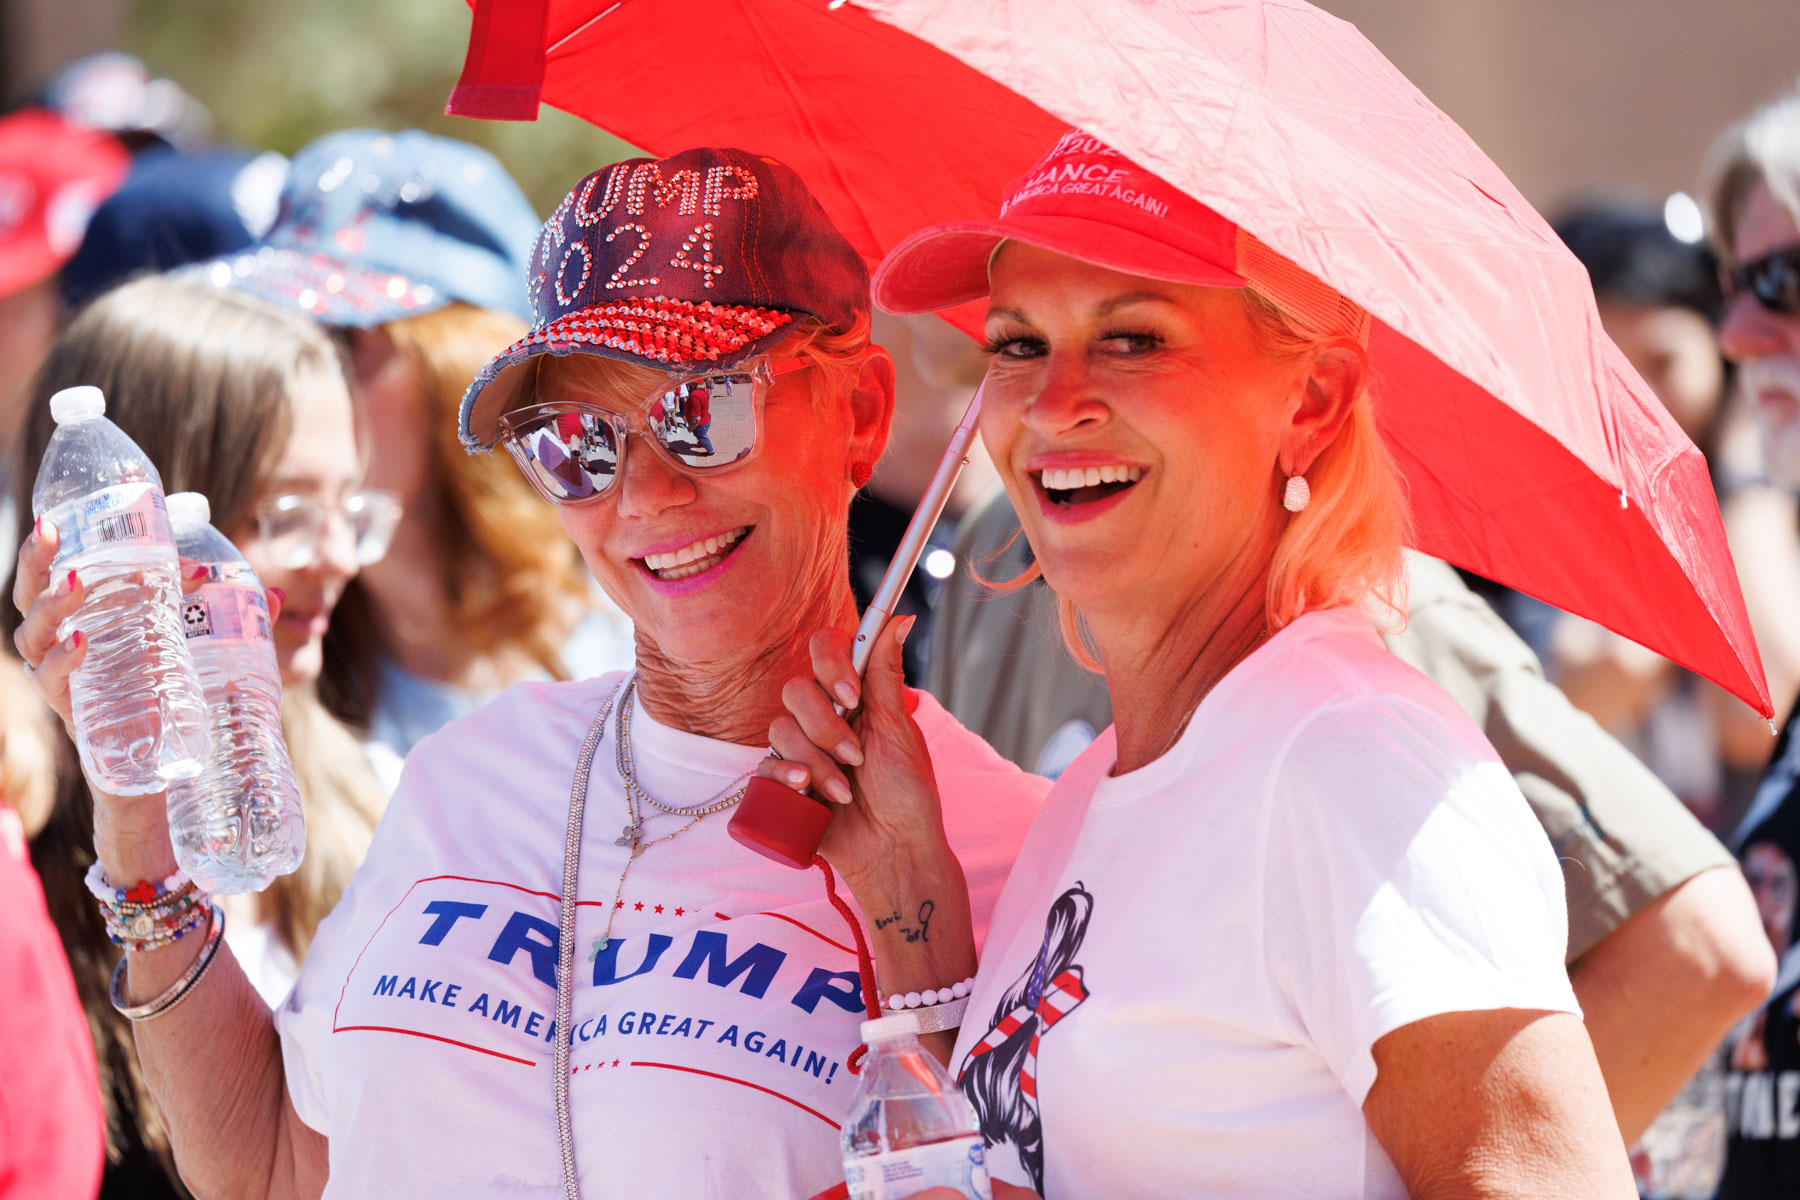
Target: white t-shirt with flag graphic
point(1190, 964)
point(709, 1036)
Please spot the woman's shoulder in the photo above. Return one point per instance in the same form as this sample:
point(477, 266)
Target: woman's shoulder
point(962, 759)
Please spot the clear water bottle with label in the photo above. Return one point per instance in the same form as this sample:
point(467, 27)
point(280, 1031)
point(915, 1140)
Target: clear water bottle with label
point(140, 722)
point(238, 824)
point(909, 1128)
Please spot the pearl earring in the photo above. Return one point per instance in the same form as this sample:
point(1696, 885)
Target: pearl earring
point(1296, 495)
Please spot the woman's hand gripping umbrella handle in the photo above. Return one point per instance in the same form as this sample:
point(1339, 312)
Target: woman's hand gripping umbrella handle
point(785, 825)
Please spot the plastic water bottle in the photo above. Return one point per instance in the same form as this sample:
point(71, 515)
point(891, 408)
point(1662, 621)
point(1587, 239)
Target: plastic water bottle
point(140, 722)
point(239, 824)
point(909, 1128)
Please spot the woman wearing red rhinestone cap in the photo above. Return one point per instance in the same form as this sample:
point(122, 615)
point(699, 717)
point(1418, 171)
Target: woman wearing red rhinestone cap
point(1288, 927)
point(703, 1042)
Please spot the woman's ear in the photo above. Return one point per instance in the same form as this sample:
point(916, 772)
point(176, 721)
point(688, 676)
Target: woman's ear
point(1336, 378)
point(871, 406)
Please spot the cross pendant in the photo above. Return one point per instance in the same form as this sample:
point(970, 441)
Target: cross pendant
point(599, 948)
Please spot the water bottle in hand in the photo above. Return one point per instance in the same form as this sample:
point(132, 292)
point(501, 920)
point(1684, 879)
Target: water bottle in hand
point(140, 722)
point(909, 1128)
point(238, 825)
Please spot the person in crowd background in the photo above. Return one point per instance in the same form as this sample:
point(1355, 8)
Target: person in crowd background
point(52, 176)
point(414, 248)
point(722, 570)
point(248, 404)
point(52, 1130)
point(1753, 197)
point(1299, 924)
point(936, 371)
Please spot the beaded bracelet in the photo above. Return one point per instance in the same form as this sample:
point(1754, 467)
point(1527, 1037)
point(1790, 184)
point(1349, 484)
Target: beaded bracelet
point(143, 935)
point(142, 892)
point(178, 990)
point(925, 999)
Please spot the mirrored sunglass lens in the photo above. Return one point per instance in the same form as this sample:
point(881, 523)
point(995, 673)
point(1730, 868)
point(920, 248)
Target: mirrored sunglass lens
point(707, 422)
point(573, 455)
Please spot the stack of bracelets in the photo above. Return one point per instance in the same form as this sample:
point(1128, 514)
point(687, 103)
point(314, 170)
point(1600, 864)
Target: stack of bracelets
point(150, 915)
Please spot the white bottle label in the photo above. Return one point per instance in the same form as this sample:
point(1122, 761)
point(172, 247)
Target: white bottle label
point(124, 516)
point(961, 1164)
point(228, 607)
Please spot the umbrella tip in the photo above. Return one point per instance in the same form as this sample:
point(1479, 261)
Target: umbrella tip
point(1624, 501)
point(1772, 727)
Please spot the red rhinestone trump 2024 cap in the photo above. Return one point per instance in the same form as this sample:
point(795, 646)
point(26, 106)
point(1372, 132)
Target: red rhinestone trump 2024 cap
point(1089, 202)
point(687, 263)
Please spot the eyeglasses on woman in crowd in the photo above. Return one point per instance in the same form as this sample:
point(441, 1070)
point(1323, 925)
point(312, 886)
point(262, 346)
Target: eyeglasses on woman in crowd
point(294, 526)
point(574, 452)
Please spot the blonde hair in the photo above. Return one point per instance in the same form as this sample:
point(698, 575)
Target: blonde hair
point(1762, 148)
point(1346, 546)
point(201, 378)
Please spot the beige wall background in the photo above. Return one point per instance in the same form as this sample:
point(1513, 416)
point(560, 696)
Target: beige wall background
point(1568, 96)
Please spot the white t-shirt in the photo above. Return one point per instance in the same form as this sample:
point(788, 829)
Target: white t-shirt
point(1190, 962)
point(710, 1037)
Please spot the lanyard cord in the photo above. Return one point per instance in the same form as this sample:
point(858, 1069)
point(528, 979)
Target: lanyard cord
point(565, 948)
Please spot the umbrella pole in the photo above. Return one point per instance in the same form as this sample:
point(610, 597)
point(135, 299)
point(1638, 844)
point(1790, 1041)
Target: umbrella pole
point(785, 825)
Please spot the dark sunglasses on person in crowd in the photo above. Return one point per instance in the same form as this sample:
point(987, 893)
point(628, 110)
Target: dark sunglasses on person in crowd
point(573, 452)
point(1773, 279)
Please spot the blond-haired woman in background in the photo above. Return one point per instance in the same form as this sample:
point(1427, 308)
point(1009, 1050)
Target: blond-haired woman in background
point(413, 248)
point(246, 403)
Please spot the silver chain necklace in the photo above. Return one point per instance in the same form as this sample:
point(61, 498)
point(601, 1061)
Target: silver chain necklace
point(571, 874)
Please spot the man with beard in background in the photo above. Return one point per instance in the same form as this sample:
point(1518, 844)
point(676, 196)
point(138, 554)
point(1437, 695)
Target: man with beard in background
point(1755, 200)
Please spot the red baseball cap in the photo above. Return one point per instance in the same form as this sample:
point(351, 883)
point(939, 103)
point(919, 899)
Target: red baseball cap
point(687, 263)
point(1089, 202)
point(52, 176)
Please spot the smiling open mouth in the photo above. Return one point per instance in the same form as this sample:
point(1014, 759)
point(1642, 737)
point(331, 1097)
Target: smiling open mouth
point(1084, 485)
point(693, 559)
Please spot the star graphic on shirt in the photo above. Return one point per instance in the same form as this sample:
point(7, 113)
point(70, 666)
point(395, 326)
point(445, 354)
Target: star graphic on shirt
point(618, 904)
point(659, 908)
point(615, 1062)
point(679, 911)
point(638, 907)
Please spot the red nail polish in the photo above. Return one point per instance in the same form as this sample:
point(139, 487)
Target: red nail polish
point(279, 594)
point(69, 581)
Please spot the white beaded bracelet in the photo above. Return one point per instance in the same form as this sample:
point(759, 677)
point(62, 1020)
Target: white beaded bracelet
point(900, 1003)
point(106, 893)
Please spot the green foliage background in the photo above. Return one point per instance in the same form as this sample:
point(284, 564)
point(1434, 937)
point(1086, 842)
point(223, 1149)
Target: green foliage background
point(279, 73)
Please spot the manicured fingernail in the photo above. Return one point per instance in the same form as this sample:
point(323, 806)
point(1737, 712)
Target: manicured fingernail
point(67, 585)
point(46, 529)
point(73, 641)
point(280, 596)
point(838, 790)
point(795, 776)
point(905, 630)
point(849, 752)
point(195, 571)
point(845, 691)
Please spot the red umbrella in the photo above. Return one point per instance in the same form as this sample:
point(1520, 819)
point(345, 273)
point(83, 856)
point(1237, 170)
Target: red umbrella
point(1534, 454)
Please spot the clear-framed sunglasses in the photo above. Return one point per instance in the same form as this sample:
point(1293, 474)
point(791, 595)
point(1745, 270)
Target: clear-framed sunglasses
point(573, 453)
point(294, 526)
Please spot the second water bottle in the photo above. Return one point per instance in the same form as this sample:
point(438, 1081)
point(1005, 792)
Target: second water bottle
point(239, 824)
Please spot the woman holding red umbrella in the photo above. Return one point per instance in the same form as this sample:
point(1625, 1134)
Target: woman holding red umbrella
point(1287, 928)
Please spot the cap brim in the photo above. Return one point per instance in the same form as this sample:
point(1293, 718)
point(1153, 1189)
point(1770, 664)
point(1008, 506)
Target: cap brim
point(328, 290)
point(947, 265)
point(616, 330)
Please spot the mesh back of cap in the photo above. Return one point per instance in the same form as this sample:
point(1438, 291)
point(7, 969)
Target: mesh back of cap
point(1316, 305)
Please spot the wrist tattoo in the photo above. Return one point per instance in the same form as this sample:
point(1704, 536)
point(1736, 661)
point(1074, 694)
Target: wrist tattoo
point(917, 932)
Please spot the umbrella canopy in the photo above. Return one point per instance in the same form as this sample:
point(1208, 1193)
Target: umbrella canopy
point(1533, 453)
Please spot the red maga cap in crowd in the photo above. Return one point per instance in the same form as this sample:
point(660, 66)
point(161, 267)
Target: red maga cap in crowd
point(1090, 202)
point(686, 263)
point(52, 177)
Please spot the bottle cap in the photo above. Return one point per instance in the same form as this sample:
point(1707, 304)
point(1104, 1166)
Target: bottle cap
point(188, 510)
point(886, 1029)
point(77, 404)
